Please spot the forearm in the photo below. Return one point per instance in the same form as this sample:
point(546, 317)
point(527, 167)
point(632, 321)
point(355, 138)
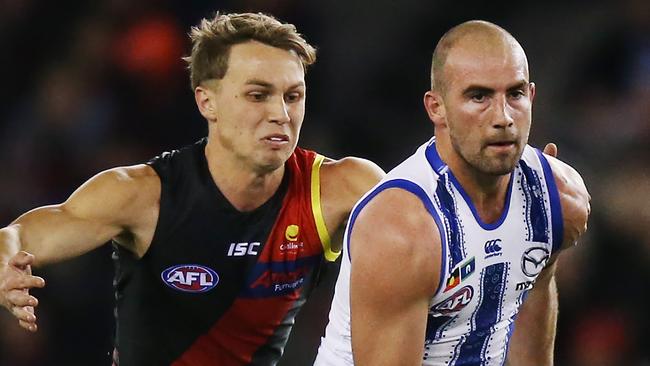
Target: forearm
point(9, 243)
point(533, 340)
point(54, 233)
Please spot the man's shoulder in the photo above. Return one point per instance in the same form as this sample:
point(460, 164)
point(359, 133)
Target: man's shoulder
point(569, 181)
point(352, 166)
point(134, 182)
point(131, 173)
point(387, 225)
point(574, 198)
point(351, 175)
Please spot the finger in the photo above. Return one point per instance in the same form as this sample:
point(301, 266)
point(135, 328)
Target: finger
point(24, 313)
point(21, 298)
point(24, 282)
point(32, 327)
point(550, 149)
point(21, 259)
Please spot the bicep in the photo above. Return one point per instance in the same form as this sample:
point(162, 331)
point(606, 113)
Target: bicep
point(392, 279)
point(97, 211)
point(388, 323)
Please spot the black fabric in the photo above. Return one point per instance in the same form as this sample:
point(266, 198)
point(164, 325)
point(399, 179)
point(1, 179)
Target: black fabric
point(196, 225)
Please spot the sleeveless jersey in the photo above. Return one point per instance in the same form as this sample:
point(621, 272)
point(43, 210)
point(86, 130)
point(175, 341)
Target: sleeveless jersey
point(218, 286)
point(486, 269)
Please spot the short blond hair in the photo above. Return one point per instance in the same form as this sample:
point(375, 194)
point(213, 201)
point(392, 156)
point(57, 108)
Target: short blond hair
point(213, 38)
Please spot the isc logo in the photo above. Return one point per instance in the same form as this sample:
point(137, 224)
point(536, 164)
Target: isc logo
point(242, 249)
point(190, 278)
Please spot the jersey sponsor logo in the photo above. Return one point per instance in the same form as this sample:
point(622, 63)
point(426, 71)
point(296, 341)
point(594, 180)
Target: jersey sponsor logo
point(534, 260)
point(280, 281)
point(190, 278)
point(455, 302)
point(492, 248)
point(460, 273)
point(526, 285)
point(291, 246)
point(291, 232)
point(270, 283)
point(242, 249)
point(280, 278)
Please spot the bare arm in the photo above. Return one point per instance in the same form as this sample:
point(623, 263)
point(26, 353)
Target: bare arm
point(121, 203)
point(395, 253)
point(343, 183)
point(533, 340)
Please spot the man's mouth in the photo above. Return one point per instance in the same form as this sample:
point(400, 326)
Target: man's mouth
point(276, 140)
point(502, 146)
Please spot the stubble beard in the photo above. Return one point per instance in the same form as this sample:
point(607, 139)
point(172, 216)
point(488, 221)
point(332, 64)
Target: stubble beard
point(485, 164)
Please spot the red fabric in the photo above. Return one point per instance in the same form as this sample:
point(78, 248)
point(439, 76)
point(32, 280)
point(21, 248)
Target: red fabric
point(249, 322)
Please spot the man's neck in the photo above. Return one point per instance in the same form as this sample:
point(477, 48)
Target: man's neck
point(487, 192)
point(245, 188)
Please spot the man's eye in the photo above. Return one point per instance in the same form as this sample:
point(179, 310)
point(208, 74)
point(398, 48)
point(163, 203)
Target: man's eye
point(478, 97)
point(293, 97)
point(257, 96)
point(517, 94)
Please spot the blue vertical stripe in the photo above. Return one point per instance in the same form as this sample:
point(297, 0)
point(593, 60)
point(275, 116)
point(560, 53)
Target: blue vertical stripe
point(554, 197)
point(447, 205)
point(488, 312)
point(535, 200)
point(448, 208)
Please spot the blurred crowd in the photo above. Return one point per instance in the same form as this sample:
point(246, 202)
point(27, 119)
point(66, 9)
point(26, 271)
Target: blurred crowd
point(92, 85)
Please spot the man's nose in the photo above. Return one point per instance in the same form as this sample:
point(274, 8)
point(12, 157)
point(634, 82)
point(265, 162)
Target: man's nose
point(502, 117)
point(278, 111)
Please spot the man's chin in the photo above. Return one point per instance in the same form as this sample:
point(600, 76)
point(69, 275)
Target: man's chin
point(274, 161)
point(501, 169)
point(498, 167)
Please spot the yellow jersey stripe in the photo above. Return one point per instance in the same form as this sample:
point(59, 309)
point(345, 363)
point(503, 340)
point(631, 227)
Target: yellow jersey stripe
point(323, 234)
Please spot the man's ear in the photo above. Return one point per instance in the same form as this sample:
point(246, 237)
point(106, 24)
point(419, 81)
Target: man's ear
point(205, 100)
point(532, 91)
point(435, 107)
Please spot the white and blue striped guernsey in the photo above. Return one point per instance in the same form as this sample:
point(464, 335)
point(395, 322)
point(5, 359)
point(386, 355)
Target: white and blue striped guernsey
point(487, 269)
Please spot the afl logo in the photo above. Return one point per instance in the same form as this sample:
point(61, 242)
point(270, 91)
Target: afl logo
point(291, 233)
point(455, 302)
point(534, 260)
point(190, 278)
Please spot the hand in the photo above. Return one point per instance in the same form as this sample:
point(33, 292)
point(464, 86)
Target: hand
point(15, 282)
point(551, 149)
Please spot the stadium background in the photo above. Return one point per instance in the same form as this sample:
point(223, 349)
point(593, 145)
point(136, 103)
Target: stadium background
point(88, 85)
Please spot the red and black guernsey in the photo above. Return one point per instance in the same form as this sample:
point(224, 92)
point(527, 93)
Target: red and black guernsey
point(219, 286)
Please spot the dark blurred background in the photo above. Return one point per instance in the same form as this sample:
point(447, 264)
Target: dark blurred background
point(89, 85)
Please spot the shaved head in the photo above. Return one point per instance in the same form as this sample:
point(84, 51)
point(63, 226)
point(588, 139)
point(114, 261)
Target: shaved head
point(480, 38)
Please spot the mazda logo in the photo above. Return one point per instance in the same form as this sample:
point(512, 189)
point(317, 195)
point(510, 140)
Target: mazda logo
point(534, 260)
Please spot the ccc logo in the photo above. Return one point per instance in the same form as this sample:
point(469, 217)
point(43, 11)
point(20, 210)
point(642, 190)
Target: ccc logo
point(492, 246)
